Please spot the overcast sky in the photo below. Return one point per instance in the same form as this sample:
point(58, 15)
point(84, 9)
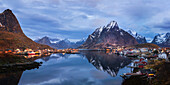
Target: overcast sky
point(76, 19)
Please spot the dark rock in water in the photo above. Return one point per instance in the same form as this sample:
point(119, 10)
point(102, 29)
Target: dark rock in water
point(109, 36)
point(19, 67)
point(162, 40)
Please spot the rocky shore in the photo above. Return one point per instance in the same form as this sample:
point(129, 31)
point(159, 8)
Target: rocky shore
point(162, 75)
point(11, 63)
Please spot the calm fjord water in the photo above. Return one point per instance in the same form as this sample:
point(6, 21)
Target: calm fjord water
point(87, 68)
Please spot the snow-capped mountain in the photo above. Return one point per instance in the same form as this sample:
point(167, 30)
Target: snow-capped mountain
point(64, 44)
point(46, 40)
point(140, 39)
point(81, 41)
point(162, 40)
point(58, 43)
point(109, 36)
point(52, 40)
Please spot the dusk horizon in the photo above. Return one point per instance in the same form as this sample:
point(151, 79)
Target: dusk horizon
point(75, 20)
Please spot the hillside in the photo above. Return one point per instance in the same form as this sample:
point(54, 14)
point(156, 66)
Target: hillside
point(13, 41)
point(147, 45)
point(11, 34)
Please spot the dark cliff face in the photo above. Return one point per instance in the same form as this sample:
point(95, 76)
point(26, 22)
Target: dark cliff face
point(162, 40)
point(12, 36)
point(109, 36)
point(141, 40)
point(9, 23)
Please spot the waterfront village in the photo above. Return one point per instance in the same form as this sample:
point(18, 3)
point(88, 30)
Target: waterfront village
point(145, 60)
point(129, 52)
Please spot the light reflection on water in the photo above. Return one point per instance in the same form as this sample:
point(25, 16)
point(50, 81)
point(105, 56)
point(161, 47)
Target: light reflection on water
point(88, 68)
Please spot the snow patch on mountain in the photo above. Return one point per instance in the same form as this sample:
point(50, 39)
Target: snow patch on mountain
point(54, 40)
point(98, 31)
point(137, 36)
point(108, 36)
point(112, 24)
point(121, 33)
point(161, 38)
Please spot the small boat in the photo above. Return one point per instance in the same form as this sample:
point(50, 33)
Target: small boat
point(143, 72)
point(141, 61)
point(137, 66)
point(141, 65)
point(151, 75)
point(30, 53)
point(38, 52)
point(139, 73)
point(149, 55)
point(132, 66)
point(131, 54)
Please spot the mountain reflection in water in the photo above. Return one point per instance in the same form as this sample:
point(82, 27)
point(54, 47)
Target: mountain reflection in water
point(87, 68)
point(111, 63)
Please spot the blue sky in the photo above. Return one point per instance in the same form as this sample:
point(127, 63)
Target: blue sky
point(76, 19)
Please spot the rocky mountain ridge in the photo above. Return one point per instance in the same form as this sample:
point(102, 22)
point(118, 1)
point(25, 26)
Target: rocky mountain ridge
point(140, 39)
point(162, 40)
point(108, 37)
point(58, 43)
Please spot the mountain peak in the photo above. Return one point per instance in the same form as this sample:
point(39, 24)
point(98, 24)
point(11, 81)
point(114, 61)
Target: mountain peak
point(11, 34)
point(45, 40)
point(138, 37)
point(162, 40)
point(112, 24)
point(66, 40)
point(45, 37)
point(7, 11)
point(9, 22)
point(109, 36)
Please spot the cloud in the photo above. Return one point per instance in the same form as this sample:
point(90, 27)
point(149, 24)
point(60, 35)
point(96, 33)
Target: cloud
point(164, 25)
point(78, 18)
